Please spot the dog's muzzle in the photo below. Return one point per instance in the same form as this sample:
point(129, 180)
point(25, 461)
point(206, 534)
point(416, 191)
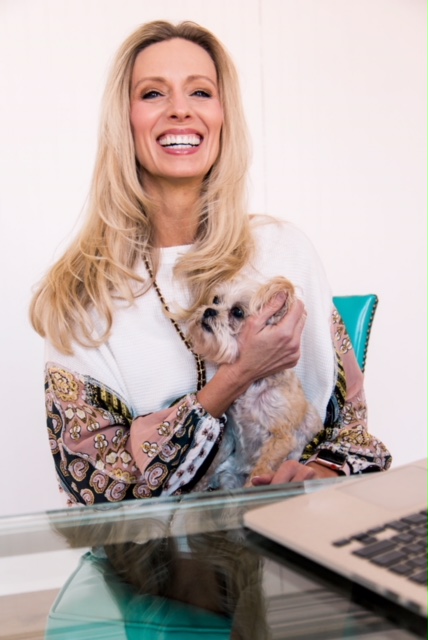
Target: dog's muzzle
point(208, 313)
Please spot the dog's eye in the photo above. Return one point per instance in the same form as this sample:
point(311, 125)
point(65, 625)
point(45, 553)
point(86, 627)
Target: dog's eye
point(237, 312)
point(216, 300)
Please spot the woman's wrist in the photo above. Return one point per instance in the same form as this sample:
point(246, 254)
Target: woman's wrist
point(222, 390)
point(322, 471)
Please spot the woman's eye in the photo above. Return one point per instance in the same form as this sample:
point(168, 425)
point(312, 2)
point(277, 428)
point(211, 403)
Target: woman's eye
point(200, 93)
point(149, 95)
point(237, 312)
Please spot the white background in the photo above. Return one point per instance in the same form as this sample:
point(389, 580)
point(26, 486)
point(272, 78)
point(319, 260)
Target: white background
point(335, 95)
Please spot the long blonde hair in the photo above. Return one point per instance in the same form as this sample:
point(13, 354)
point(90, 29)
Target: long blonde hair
point(99, 265)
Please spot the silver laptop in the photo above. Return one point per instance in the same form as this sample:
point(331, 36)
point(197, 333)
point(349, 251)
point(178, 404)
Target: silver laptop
point(365, 529)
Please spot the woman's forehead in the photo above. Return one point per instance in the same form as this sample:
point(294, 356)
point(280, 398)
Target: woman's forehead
point(173, 58)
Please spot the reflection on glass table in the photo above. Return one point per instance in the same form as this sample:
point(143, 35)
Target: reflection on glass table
point(183, 568)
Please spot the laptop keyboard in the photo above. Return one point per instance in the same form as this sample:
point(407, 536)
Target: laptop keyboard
point(399, 546)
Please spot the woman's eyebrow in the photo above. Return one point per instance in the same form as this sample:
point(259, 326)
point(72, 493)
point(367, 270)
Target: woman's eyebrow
point(164, 80)
point(148, 79)
point(202, 77)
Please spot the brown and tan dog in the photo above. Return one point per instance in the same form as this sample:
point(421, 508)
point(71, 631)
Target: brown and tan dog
point(272, 421)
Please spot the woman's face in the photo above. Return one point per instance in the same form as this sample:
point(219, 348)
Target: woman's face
point(176, 114)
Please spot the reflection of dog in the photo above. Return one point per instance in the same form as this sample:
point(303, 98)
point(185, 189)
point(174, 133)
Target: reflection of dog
point(272, 421)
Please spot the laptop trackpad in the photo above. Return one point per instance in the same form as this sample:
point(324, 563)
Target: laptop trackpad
point(391, 491)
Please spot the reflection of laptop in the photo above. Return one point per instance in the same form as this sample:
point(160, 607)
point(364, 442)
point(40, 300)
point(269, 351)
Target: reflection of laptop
point(323, 527)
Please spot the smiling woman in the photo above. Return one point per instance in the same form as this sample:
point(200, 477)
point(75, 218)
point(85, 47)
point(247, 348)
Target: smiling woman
point(132, 411)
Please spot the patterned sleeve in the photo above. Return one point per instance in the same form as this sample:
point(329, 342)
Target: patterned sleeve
point(92, 437)
point(345, 426)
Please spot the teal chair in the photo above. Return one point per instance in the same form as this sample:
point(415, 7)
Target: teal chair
point(357, 313)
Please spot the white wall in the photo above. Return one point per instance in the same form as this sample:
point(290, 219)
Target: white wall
point(335, 93)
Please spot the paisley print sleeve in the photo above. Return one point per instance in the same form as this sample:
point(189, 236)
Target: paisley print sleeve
point(345, 426)
point(176, 446)
point(89, 428)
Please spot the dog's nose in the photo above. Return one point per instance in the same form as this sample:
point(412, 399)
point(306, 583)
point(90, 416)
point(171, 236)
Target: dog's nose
point(210, 313)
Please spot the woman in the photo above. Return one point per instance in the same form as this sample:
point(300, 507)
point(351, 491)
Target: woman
point(167, 222)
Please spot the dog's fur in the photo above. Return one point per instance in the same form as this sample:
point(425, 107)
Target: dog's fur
point(272, 421)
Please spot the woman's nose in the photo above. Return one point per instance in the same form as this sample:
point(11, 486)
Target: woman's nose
point(179, 107)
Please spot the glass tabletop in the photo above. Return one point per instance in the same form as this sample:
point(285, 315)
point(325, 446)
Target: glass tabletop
point(178, 568)
point(98, 524)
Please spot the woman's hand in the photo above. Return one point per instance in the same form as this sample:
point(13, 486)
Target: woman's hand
point(266, 349)
point(293, 471)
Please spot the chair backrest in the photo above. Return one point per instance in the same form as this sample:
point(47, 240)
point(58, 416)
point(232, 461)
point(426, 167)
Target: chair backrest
point(357, 313)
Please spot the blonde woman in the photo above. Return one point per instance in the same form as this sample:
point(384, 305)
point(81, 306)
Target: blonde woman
point(132, 412)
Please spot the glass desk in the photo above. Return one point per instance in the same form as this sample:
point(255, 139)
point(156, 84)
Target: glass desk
point(173, 569)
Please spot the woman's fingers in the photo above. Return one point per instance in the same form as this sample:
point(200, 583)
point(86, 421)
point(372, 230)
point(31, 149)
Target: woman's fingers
point(266, 349)
point(296, 317)
point(293, 471)
point(270, 309)
point(289, 471)
point(258, 481)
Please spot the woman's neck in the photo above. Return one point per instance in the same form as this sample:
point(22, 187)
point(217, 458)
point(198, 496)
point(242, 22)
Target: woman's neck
point(175, 227)
point(176, 218)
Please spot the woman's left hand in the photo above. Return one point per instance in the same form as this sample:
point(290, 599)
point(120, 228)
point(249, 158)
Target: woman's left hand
point(293, 471)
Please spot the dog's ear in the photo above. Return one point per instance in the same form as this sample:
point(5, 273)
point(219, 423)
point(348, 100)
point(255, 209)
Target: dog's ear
point(269, 290)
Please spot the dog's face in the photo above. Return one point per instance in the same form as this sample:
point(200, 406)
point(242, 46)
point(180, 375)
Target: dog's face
point(214, 328)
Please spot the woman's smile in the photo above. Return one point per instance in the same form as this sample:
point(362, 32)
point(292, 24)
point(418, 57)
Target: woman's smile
point(180, 141)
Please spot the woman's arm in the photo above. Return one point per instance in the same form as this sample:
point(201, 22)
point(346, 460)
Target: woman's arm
point(90, 430)
point(346, 430)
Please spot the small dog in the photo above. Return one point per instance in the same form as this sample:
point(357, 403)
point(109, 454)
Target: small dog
point(272, 421)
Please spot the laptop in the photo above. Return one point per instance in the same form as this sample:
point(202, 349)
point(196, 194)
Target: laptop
point(371, 529)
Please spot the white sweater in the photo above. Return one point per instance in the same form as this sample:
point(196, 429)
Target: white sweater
point(147, 364)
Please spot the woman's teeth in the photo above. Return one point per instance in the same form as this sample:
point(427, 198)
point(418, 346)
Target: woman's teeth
point(181, 141)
